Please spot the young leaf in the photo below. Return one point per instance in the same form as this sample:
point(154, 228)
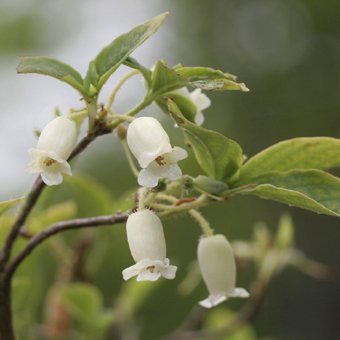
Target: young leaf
point(53, 68)
point(313, 190)
point(298, 153)
point(218, 156)
point(165, 79)
point(5, 205)
point(113, 55)
point(209, 79)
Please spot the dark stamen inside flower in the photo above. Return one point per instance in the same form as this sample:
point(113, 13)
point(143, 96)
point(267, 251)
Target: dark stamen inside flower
point(151, 268)
point(160, 160)
point(49, 161)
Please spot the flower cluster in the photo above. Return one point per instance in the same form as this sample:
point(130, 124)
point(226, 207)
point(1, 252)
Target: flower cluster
point(157, 158)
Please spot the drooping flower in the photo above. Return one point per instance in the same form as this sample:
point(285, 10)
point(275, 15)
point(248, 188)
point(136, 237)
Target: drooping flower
point(147, 245)
point(218, 268)
point(151, 146)
point(55, 145)
point(199, 99)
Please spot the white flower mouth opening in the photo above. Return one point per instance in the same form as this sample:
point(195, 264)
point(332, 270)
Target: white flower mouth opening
point(150, 270)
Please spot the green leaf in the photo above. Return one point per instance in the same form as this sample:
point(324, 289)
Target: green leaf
point(165, 79)
point(313, 190)
point(298, 153)
point(53, 68)
point(5, 205)
point(218, 156)
point(91, 80)
point(84, 302)
point(113, 55)
point(209, 79)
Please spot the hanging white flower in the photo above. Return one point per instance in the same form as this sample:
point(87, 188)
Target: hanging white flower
point(199, 99)
point(151, 146)
point(55, 145)
point(218, 268)
point(147, 245)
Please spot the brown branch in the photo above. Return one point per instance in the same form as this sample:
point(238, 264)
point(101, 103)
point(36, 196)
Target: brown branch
point(57, 228)
point(32, 198)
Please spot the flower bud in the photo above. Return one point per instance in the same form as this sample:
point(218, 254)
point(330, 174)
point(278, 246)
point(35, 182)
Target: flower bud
point(150, 144)
point(54, 147)
point(147, 245)
point(218, 269)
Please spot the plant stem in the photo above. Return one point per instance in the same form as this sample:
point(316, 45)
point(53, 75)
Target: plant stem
point(120, 83)
point(6, 324)
point(201, 201)
point(32, 197)
point(92, 108)
point(205, 225)
point(129, 158)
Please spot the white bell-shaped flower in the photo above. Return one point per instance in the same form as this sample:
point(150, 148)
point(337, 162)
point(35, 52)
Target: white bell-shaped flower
point(55, 145)
point(147, 245)
point(218, 268)
point(199, 99)
point(151, 146)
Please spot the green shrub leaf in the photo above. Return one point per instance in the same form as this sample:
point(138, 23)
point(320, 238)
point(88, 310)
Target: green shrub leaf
point(207, 78)
point(218, 156)
point(298, 153)
point(113, 55)
point(53, 68)
point(165, 79)
point(313, 190)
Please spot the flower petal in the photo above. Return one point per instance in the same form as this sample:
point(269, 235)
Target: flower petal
point(146, 275)
point(150, 270)
point(213, 300)
point(172, 172)
point(199, 118)
point(147, 178)
point(51, 177)
point(130, 272)
point(200, 99)
point(147, 157)
point(169, 272)
point(176, 154)
point(239, 292)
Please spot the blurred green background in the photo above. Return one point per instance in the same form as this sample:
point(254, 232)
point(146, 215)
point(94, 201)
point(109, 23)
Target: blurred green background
point(288, 54)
